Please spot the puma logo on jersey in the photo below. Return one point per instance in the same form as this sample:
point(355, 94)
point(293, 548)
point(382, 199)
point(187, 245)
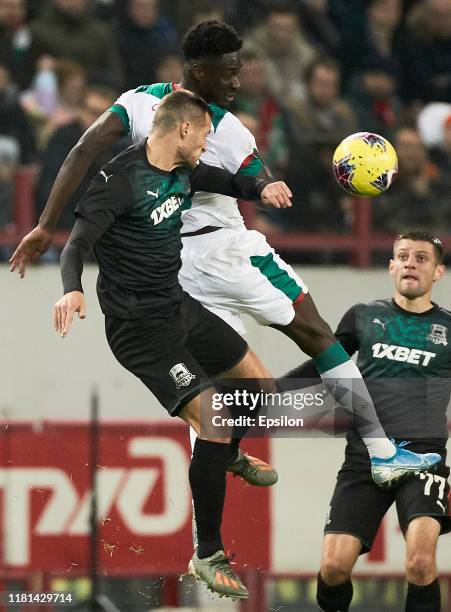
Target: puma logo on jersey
point(153, 193)
point(402, 353)
point(165, 210)
point(381, 323)
point(106, 177)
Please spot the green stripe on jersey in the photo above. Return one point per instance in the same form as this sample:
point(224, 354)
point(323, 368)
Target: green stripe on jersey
point(159, 90)
point(218, 114)
point(333, 356)
point(123, 115)
point(277, 276)
point(253, 168)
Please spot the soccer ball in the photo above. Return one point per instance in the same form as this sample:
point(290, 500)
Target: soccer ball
point(364, 164)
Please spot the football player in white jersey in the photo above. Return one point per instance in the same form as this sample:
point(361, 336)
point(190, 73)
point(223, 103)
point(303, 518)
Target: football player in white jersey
point(229, 269)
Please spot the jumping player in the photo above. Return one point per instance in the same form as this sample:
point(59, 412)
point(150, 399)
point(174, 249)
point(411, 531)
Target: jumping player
point(131, 214)
point(229, 269)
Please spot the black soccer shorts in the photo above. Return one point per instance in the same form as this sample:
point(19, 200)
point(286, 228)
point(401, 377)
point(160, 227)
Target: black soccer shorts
point(175, 356)
point(358, 505)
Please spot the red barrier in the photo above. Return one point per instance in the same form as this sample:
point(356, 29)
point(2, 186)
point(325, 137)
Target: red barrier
point(144, 501)
point(361, 242)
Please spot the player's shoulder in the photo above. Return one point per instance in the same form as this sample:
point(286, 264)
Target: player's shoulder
point(118, 169)
point(158, 90)
point(155, 91)
point(363, 308)
point(223, 119)
point(446, 314)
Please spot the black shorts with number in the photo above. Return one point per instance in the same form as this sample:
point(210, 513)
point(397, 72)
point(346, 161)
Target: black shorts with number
point(175, 355)
point(358, 505)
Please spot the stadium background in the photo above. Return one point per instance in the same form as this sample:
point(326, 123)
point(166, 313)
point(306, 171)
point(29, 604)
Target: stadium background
point(47, 389)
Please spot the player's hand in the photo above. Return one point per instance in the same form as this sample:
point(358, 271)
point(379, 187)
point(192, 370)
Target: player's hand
point(64, 310)
point(31, 247)
point(277, 195)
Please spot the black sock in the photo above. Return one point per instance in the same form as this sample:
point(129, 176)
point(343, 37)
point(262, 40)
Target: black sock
point(207, 478)
point(333, 598)
point(423, 598)
point(234, 446)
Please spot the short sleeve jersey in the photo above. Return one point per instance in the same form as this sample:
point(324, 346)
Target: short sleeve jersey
point(405, 359)
point(229, 145)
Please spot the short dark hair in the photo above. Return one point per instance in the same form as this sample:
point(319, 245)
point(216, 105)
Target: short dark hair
point(180, 106)
point(210, 39)
point(416, 234)
point(326, 62)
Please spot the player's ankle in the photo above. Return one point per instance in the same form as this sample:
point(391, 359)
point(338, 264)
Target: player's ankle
point(380, 447)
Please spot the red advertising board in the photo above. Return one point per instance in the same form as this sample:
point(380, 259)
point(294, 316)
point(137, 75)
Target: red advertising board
point(144, 500)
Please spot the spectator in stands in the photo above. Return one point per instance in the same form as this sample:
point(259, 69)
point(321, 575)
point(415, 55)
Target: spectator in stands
point(419, 195)
point(320, 26)
point(16, 147)
point(67, 30)
point(256, 100)
point(9, 161)
point(318, 124)
point(55, 97)
point(15, 41)
point(97, 100)
point(13, 121)
point(170, 69)
point(377, 40)
point(144, 38)
point(282, 43)
point(373, 98)
point(203, 10)
point(441, 154)
point(426, 52)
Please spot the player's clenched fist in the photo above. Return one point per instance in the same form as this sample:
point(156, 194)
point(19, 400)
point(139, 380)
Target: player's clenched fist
point(277, 195)
point(64, 310)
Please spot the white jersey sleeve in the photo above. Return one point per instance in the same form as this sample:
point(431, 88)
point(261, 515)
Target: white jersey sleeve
point(136, 109)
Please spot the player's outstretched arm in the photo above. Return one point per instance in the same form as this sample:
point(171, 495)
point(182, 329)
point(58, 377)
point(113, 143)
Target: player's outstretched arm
point(107, 130)
point(216, 180)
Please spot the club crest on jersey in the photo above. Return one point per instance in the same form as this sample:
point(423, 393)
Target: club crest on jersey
point(181, 375)
point(437, 335)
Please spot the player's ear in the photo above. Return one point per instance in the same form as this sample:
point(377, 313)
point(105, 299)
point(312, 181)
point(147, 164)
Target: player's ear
point(197, 72)
point(391, 264)
point(184, 129)
point(439, 272)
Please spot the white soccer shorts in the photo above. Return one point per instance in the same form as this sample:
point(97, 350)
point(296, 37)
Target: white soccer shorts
point(235, 271)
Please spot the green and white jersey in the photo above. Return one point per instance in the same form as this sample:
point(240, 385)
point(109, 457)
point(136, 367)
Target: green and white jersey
point(405, 358)
point(230, 146)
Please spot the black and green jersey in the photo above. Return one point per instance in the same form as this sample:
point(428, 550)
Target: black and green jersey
point(405, 359)
point(131, 213)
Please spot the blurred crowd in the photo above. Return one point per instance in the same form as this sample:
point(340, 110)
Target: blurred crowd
point(313, 72)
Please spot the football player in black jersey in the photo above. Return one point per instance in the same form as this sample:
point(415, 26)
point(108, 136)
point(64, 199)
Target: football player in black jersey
point(404, 354)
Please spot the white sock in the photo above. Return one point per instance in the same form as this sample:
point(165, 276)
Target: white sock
point(345, 383)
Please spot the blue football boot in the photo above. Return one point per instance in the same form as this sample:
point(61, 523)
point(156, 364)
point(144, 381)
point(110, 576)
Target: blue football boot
point(403, 463)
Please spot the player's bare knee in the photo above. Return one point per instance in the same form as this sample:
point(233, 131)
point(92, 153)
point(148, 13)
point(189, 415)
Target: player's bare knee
point(421, 567)
point(335, 569)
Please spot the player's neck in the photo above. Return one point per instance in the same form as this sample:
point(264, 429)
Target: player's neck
point(190, 84)
point(419, 304)
point(161, 153)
